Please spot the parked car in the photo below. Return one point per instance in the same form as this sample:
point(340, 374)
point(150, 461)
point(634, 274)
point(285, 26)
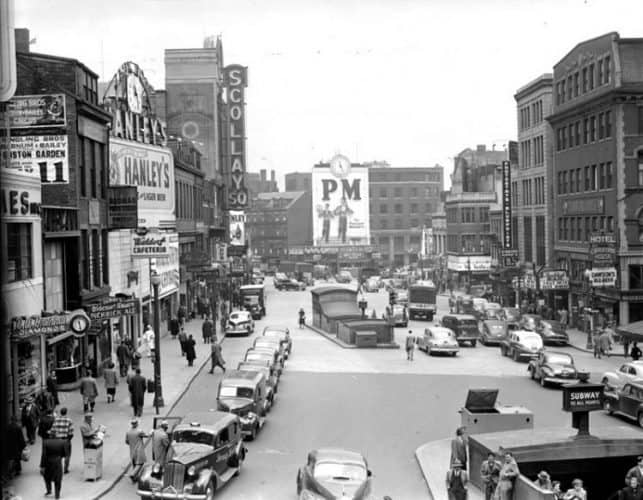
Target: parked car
point(240, 323)
point(627, 372)
point(437, 339)
point(343, 277)
point(519, 344)
point(283, 334)
point(272, 343)
point(263, 360)
point(244, 393)
point(265, 353)
point(272, 382)
point(398, 315)
point(551, 367)
point(333, 473)
point(464, 326)
point(492, 331)
point(531, 322)
point(510, 314)
point(206, 451)
point(280, 280)
point(627, 401)
point(478, 290)
point(553, 332)
point(492, 310)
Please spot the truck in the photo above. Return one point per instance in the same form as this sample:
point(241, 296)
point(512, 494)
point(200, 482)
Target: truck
point(422, 300)
point(253, 300)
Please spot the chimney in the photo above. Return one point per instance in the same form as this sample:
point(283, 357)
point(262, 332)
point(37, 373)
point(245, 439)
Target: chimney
point(262, 173)
point(272, 176)
point(22, 39)
point(481, 148)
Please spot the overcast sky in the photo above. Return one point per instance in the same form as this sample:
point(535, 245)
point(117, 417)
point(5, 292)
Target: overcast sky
point(412, 82)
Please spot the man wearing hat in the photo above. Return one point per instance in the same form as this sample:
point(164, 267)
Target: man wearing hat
point(88, 430)
point(160, 443)
point(490, 474)
point(30, 417)
point(636, 471)
point(457, 480)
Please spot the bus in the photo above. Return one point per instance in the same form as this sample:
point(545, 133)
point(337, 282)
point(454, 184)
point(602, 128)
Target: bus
point(422, 300)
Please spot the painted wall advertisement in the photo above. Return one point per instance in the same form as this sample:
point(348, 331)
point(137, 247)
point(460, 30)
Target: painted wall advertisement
point(39, 156)
point(340, 203)
point(30, 111)
point(151, 170)
point(237, 228)
point(168, 267)
point(236, 80)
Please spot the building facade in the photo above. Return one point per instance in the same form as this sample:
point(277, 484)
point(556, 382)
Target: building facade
point(532, 177)
point(299, 181)
point(258, 182)
point(403, 200)
point(597, 123)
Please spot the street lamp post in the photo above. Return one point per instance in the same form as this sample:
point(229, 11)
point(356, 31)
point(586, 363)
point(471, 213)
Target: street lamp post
point(158, 391)
point(589, 307)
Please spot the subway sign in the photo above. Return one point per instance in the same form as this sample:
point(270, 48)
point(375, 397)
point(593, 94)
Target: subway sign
point(582, 397)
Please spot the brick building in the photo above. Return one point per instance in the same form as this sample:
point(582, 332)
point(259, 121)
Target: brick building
point(597, 123)
point(258, 182)
point(299, 181)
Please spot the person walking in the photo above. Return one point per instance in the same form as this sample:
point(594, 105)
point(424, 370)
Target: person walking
point(459, 447)
point(635, 353)
point(134, 438)
point(410, 346)
point(182, 315)
point(137, 385)
point(15, 443)
point(206, 329)
point(216, 357)
point(63, 428)
point(89, 391)
point(632, 491)
point(46, 422)
point(160, 443)
point(490, 473)
point(51, 464)
point(45, 401)
point(146, 342)
point(508, 474)
point(175, 327)
point(30, 417)
point(52, 387)
point(605, 342)
point(183, 338)
point(636, 471)
point(190, 352)
point(596, 340)
point(457, 480)
point(111, 381)
point(302, 318)
point(124, 355)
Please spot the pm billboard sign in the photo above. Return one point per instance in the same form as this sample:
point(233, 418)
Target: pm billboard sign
point(340, 203)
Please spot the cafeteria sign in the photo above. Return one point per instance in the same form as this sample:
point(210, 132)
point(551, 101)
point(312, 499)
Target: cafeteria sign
point(150, 246)
point(582, 397)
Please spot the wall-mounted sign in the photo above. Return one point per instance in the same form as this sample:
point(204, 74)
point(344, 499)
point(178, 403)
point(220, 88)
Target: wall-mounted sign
point(473, 263)
point(582, 397)
point(123, 207)
point(151, 245)
point(236, 80)
point(20, 203)
point(602, 277)
point(31, 111)
point(168, 267)
point(602, 246)
point(55, 324)
point(325, 250)
point(584, 206)
point(554, 280)
point(506, 205)
point(39, 156)
point(221, 252)
point(112, 308)
point(237, 228)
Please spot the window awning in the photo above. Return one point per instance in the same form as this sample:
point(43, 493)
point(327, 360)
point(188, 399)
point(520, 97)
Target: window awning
point(633, 331)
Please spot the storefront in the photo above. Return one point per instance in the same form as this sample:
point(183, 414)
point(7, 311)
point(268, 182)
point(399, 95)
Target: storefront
point(468, 270)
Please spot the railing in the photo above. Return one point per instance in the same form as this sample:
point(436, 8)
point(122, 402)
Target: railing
point(57, 220)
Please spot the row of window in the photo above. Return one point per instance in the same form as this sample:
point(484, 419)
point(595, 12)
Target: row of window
point(585, 80)
point(94, 258)
point(468, 214)
point(398, 208)
point(532, 152)
point(580, 228)
point(468, 243)
point(588, 178)
point(188, 201)
point(92, 168)
point(533, 192)
point(531, 114)
point(412, 192)
point(399, 224)
point(590, 129)
point(392, 176)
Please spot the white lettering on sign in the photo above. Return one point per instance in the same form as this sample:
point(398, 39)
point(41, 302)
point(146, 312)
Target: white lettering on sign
point(236, 78)
point(585, 395)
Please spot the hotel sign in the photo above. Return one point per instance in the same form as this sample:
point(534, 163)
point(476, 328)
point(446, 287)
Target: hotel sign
point(236, 80)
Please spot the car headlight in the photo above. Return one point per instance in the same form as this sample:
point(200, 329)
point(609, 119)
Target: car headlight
point(156, 469)
point(191, 470)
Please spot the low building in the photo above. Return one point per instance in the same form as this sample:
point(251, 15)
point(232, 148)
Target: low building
point(299, 181)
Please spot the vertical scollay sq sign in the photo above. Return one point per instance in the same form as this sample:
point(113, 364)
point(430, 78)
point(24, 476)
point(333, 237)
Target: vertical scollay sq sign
point(506, 204)
point(236, 80)
point(340, 204)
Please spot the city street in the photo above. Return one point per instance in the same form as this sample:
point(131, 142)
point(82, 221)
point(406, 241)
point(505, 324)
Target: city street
point(374, 401)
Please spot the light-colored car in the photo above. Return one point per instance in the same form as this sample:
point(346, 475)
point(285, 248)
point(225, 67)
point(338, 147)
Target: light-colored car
point(283, 334)
point(479, 306)
point(519, 344)
point(240, 323)
point(402, 296)
point(492, 310)
point(437, 339)
point(627, 372)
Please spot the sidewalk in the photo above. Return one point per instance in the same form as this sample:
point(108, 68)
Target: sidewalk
point(578, 340)
point(176, 379)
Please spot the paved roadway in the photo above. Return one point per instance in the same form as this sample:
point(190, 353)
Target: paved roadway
point(376, 402)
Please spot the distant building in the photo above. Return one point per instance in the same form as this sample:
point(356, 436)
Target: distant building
point(259, 183)
point(299, 181)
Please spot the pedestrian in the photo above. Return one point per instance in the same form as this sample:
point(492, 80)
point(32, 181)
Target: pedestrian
point(564, 314)
point(63, 428)
point(451, 302)
point(596, 339)
point(46, 422)
point(30, 416)
point(224, 322)
point(410, 346)
point(459, 447)
point(160, 443)
point(457, 480)
point(626, 347)
point(175, 327)
point(45, 401)
point(635, 353)
point(89, 391)
point(111, 381)
point(137, 384)
point(182, 314)
point(89, 431)
point(632, 491)
point(489, 473)
point(543, 480)
point(136, 359)
point(15, 444)
point(51, 464)
point(605, 342)
point(190, 352)
point(52, 387)
point(146, 342)
point(183, 338)
point(134, 438)
point(636, 471)
point(216, 357)
point(206, 329)
point(302, 318)
point(576, 492)
point(508, 474)
point(124, 355)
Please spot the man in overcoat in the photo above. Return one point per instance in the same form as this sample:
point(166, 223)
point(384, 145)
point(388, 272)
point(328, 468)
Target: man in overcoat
point(137, 385)
point(51, 464)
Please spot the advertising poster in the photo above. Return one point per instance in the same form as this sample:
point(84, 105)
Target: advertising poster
point(39, 156)
point(168, 267)
point(237, 228)
point(30, 111)
point(151, 170)
point(340, 204)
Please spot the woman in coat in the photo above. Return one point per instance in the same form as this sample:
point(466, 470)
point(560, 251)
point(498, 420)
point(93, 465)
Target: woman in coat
point(190, 353)
point(508, 474)
point(111, 381)
point(135, 439)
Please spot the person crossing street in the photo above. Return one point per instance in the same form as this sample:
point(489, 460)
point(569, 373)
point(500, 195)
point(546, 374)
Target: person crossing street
point(216, 357)
point(410, 346)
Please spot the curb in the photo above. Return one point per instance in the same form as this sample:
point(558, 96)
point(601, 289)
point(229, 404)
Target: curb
point(582, 349)
point(127, 467)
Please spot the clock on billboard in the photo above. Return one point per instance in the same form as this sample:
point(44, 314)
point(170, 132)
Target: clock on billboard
point(340, 166)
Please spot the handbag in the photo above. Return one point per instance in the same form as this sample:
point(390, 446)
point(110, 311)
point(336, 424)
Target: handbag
point(25, 455)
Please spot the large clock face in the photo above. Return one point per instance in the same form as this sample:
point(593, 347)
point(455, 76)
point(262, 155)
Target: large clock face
point(79, 323)
point(340, 166)
point(134, 94)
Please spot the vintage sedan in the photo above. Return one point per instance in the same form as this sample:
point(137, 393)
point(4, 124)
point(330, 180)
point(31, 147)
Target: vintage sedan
point(334, 474)
point(272, 382)
point(556, 368)
point(553, 332)
point(438, 340)
point(244, 393)
point(479, 307)
point(492, 331)
point(492, 310)
point(283, 334)
point(519, 344)
point(627, 401)
point(510, 314)
point(206, 451)
point(628, 372)
point(271, 343)
point(253, 355)
point(263, 361)
point(240, 323)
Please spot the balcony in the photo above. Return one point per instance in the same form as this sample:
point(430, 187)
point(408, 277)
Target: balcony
point(59, 221)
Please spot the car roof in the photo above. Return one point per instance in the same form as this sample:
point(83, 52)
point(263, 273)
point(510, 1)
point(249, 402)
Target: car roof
point(212, 421)
point(493, 322)
point(241, 378)
point(249, 367)
point(558, 353)
point(277, 328)
point(459, 316)
point(239, 312)
point(437, 329)
point(267, 340)
point(338, 455)
point(262, 352)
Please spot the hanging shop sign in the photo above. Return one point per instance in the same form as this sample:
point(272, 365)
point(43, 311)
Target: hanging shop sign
point(506, 205)
point(602, 246)
point(168, 267)
point(583, 397)
point(44, 157)
point(602, 277)
point(237, 228)
point(221, 250)
point(112, 308)
point(151, 245)
point(236, 80)
point(554, 280)
point(123, 207)
point(77, 321)
point(32, 111)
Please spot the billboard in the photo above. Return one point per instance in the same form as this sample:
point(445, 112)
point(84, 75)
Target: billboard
point(123, 207)
point(236, 80)
point(340, 203)
point(44, 157)
point(168, 267)
point(237, 228)
point(30, 111)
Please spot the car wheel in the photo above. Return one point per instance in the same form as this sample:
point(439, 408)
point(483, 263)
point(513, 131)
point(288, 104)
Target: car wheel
point(607, 406)
point(209, 490)
point(454, 354)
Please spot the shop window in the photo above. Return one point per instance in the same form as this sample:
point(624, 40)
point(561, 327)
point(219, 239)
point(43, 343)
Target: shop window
point(28, 376)
point(636, 277)
point(19, 258)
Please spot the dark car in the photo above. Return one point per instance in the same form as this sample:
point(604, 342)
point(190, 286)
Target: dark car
point(627, 401)
point(206, 451)
point(283, 334)
point(465, 327)
point(492, 332)
point(333, 473)
point(464, 304)
point(244, 393)
point(552, 367)
point(272, 382)
point(553, 332)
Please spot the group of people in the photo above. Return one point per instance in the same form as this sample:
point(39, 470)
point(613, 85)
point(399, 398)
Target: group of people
point(135, 438)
